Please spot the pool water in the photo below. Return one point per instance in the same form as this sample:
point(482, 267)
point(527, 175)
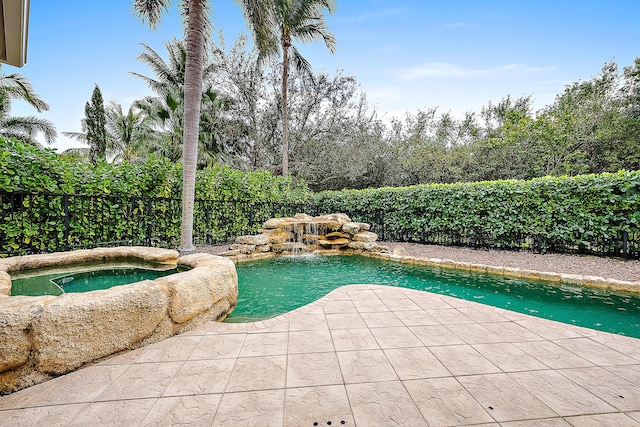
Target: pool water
point(57, 284)
point(270, 287)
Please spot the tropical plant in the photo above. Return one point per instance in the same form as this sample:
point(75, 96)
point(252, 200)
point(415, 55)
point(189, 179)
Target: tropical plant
point(127, 133)
point(16, 86)
point(195, 13)
point(275, 25)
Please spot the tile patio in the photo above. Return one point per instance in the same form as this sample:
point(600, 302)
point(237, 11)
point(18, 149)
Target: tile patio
point(363, 355)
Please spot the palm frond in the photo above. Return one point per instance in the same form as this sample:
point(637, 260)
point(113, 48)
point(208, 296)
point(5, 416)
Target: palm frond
point(29, 127)
point(17, 86)
point(151, 11)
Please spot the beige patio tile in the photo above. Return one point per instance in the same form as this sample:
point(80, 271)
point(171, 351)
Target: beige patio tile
point(436, 335)
point(183, 411)
point(365, 366)
point(504, 398)
point(342, 307)
point(429, 301)
point(50, 416)
point(353, 339)
point(553, 355)
point(383, 404)
point(372, 305)
point(463, 360)
point(321, 405)
point(595, 352)
point(634, 415)
point(219, 346)
point(345, 321)
point(628, 372)
point(400, 304)
point(512, 332)
point(142, 380)
point(562, 395)
point(28, 397)
point(381, 319)
point(201, 377)
point(444, 402)
point(620, 392)
point(83, 385)
point(307, 321)
point(310, 341)
point(415, 363)
point(508, 357)
point(548, 329)
point(362, 293)
point(252, 408)
point(389, 292)
point(483, 314)
point(258, 373)
point(627, 345)
point(117, 413)
point(266, 344)
point(449, 316)
point(603, 420)
point(549, 422)
point(225, 328)
point(313, 369)
point(125, 358)
point(395, 337)
point(474, 333)
point(416, 318)
point(170, 350)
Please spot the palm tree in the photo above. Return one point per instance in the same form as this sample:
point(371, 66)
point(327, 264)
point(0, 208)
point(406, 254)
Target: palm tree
point(16, 86)
point(127, 133)
point(275, 24)
point(195, 12)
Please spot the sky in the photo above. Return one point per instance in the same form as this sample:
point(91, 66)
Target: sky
point(456, 55)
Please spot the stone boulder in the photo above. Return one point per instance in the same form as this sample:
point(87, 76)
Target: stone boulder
point(257, 240)
point(16, 316)
point(77, 328)
point(355, 227)
point(365, 236)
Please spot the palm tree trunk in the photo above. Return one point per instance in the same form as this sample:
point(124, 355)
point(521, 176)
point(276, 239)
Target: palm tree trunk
point(285, 125)
point(192, 99)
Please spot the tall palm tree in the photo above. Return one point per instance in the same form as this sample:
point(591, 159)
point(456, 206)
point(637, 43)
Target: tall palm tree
point(16, 86)
point(195, 12)
point(275, 25)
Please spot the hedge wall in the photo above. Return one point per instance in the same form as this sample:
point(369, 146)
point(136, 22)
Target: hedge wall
point(590, 213)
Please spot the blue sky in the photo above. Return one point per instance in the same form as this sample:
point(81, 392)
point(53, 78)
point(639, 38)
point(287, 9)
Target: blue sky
point(456, 55)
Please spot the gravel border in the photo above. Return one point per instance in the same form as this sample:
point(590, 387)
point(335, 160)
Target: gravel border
point(585, 265)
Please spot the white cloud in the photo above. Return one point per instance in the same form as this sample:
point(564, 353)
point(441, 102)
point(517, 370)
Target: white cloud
point(449, 70)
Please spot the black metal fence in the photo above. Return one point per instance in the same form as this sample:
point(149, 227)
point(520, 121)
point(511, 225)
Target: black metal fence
point(390, 227)
point(40, 223)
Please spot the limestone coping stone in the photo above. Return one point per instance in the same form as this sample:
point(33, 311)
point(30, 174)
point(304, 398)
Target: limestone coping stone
point(47, 336)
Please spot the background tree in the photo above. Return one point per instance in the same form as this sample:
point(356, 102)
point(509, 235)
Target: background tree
point(16, 86)
point(96, 127)
point(275, 25)
point(195, 13)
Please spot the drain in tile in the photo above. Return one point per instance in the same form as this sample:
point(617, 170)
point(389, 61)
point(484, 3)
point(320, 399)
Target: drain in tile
point(329, 423)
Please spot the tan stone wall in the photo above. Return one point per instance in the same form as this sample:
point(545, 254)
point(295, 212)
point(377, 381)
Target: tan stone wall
point(42, 337)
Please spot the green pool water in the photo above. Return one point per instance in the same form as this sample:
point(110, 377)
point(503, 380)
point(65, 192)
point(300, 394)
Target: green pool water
point(271, 287)
point(59, 283)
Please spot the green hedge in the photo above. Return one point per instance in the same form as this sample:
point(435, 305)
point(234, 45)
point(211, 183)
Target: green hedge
point(583, 212)
point(50, 202)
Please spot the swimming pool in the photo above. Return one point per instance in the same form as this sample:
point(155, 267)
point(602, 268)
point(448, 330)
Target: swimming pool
point(85, 281)
point(270, 287)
